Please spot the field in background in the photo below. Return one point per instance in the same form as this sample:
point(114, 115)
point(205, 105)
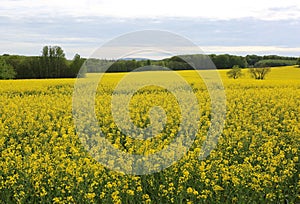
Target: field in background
point(256, 160)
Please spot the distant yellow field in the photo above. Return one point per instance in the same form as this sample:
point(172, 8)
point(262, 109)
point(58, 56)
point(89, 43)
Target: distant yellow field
point(256, 159)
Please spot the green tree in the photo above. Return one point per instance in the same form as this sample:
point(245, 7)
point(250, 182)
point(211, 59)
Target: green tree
point(59, 61)
point(237, 60)
point(76, 65)
point(45, 61)
point(6, 71)
point(221, 61)
point(148, 62)
point(298, 62)
point(259, 73)
point(253, 59)
point(53, 61)
point(235, 72)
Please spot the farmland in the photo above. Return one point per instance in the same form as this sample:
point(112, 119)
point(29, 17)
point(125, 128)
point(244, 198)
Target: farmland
point(256, 159)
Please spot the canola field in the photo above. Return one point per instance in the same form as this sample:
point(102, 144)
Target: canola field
point(256, 159)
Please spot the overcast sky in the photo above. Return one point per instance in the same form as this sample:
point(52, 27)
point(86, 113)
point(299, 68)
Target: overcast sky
point(231, 26)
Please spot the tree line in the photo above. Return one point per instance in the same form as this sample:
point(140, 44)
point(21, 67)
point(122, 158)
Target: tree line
point(52, 63)
point(224, 61)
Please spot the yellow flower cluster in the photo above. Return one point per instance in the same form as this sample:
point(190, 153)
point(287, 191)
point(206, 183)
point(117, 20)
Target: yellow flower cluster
point(256, 160)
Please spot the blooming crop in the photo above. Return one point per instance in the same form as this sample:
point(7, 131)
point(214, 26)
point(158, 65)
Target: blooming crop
point(256, 159)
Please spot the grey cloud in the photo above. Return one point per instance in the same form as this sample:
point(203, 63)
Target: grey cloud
point(87, 33)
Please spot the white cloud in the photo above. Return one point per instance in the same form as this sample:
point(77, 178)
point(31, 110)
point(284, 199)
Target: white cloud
point(77, 26)
point(214, 9)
